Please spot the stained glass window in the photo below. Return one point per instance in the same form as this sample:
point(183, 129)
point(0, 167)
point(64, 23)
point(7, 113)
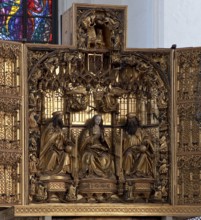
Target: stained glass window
point(28, 20)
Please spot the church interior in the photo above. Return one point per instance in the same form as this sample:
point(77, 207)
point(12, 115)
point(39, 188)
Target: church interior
point(100, 111)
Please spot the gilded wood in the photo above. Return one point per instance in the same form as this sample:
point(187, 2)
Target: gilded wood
point(99, 117)
point(188, 142)
point(11, 145)
point(102, 130)
point(83, 94)
point(107, 210)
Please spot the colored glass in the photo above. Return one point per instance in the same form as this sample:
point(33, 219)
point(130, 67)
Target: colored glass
point(39, 8)
point(26, 19)
point(39, 28)
point(11, 7)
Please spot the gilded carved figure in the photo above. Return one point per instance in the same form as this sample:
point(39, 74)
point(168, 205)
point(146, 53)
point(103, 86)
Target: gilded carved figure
point(89, 25)
point(99, 30)
point(33, 164)
point(41, 192)
point(78, 98)
point(163, 169)
point(106, 99)
point(138, 150)
point(95, 151)
point(71, 194)
point(99, 39)
point(55, 151)
point(33, 121)
point(163, 144)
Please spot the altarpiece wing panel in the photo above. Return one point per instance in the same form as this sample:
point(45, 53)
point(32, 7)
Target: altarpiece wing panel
point(11, 124)
point(188, 118)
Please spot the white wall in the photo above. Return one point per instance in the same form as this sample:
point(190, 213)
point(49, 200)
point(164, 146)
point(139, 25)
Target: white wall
point(140, 32)
point(156, 23)
point(182, 23)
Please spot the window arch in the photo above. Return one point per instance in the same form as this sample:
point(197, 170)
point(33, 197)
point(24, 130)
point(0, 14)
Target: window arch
point(28, 20)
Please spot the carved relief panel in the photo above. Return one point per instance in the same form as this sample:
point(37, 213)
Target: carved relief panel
point(10, 124)
point(100, 27)
point(188, 141)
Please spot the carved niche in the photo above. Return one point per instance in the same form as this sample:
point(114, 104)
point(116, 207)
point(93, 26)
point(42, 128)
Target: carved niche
point(99, 118)
point(100, 28)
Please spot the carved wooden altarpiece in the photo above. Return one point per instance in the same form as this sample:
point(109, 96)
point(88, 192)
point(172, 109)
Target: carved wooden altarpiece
point(95, 128)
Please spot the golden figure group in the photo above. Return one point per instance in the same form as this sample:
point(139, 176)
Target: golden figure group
point(96, 159)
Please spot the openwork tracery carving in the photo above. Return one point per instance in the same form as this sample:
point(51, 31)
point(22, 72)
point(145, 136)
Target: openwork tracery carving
point(10, 125)
point(98, 126)
point(188, 127)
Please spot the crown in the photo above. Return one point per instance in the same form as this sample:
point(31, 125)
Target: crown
point(57, 113)
point(131, 115)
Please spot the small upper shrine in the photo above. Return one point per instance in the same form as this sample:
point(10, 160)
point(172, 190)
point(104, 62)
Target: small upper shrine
point(93, 27)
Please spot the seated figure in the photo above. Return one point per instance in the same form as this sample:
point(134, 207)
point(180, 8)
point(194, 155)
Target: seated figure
point(138, 151)
point(55, 150)
point(96, 159)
